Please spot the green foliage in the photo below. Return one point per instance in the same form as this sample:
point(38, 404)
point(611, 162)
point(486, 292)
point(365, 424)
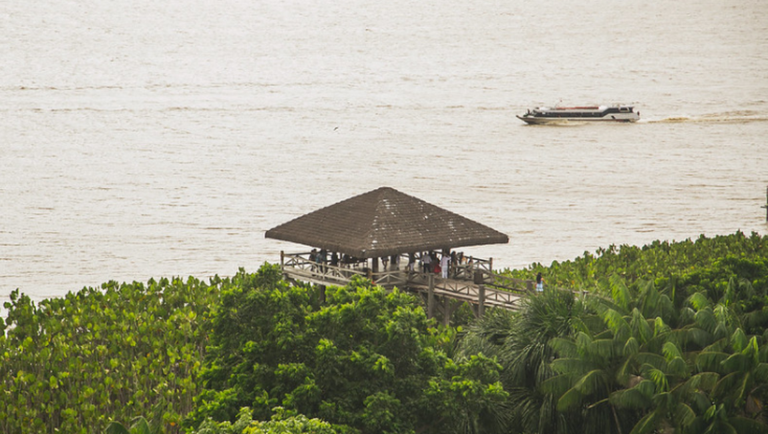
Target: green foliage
point(69, 365)
point(282, 423)
point(670, 338)
point(139, 426)
point(663, 262)
point(368, 359)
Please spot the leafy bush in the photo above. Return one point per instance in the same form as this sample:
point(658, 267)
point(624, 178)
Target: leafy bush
point(368, 359)
point(658, 261)
point(69, 365)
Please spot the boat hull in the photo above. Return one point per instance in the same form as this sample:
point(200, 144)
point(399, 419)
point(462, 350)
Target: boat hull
point(546, 115)
point(533, 120)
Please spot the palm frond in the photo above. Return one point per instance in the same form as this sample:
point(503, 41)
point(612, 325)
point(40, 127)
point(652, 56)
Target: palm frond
point(678, 367)
point(730, 295)
point(630, 347)
point(717, 346)
point(569, 399)
point(638, 397)
point(703, 381)
point(761, 373)
point(615, 321)
point(730, 385)
point(737, 362)
point(747, 425)
point(619, 292)
point(706, 319)
point(572, 366)
point(564, 347)
point(686, 316)
point(659, 327)
point(658, 377)
point(640, 326)
point(647, 424)
point(698, 300)
point(116, 428)
point(671, 351)
point(711, 361)
point(557, 385)
point(652, 360)
point(590, 382)
point(684, 415)
point(603, 350)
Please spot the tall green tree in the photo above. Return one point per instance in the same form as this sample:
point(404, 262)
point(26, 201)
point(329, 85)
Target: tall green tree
point(520, 342)
point(367, 359)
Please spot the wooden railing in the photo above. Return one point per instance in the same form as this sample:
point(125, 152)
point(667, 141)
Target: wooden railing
point(298, 265)
point(473, 282)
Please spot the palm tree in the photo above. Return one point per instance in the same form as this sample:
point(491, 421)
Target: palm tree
point(519, 342)
point(611, 373)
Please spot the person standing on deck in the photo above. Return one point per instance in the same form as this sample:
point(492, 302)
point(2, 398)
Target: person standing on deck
point(539, 283)
point(322, 257)
point(335, 259)
point(313, 259)
point(445, 262)
point(426, 260)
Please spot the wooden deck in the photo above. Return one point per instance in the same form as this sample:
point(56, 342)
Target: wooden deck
point(473, 283)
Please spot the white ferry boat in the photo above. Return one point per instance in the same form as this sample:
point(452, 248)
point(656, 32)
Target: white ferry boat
point(544, 115)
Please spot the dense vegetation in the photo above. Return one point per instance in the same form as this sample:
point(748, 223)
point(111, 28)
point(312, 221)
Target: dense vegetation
point(71, 364)
point(668, 337)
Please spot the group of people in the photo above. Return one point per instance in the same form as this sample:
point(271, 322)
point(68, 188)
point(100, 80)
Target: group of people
point(443, 263)
point(446, 264)
point(320, 258)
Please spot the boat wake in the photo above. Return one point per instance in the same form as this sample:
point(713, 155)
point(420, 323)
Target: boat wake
point(735, 117)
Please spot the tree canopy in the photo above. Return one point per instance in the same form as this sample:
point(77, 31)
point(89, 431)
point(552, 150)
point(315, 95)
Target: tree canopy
point(367, 359)
point(667, 337)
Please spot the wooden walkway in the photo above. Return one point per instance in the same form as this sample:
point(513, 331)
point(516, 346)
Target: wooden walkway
point(475, 284)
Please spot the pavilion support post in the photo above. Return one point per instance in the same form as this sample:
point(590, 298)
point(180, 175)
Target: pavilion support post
point(431, 296)
point(282, 260)
point(321, 293)
point(480, 301)
point(447, 311)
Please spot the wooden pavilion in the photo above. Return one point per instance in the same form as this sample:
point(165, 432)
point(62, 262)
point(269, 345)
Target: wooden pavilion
point(386, 236)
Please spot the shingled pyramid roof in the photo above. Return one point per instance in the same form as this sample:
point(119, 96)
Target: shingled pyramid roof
point(384, 222)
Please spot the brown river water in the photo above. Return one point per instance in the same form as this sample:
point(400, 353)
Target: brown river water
point(148, 139)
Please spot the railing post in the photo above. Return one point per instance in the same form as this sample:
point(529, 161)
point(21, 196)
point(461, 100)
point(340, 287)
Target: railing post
point(282, 260)
point(431, 296)
point(480, 300)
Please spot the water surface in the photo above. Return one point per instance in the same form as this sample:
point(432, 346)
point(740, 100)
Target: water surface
point(150, 139)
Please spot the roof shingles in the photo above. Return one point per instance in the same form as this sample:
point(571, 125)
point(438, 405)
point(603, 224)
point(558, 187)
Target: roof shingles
point(384, 222)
